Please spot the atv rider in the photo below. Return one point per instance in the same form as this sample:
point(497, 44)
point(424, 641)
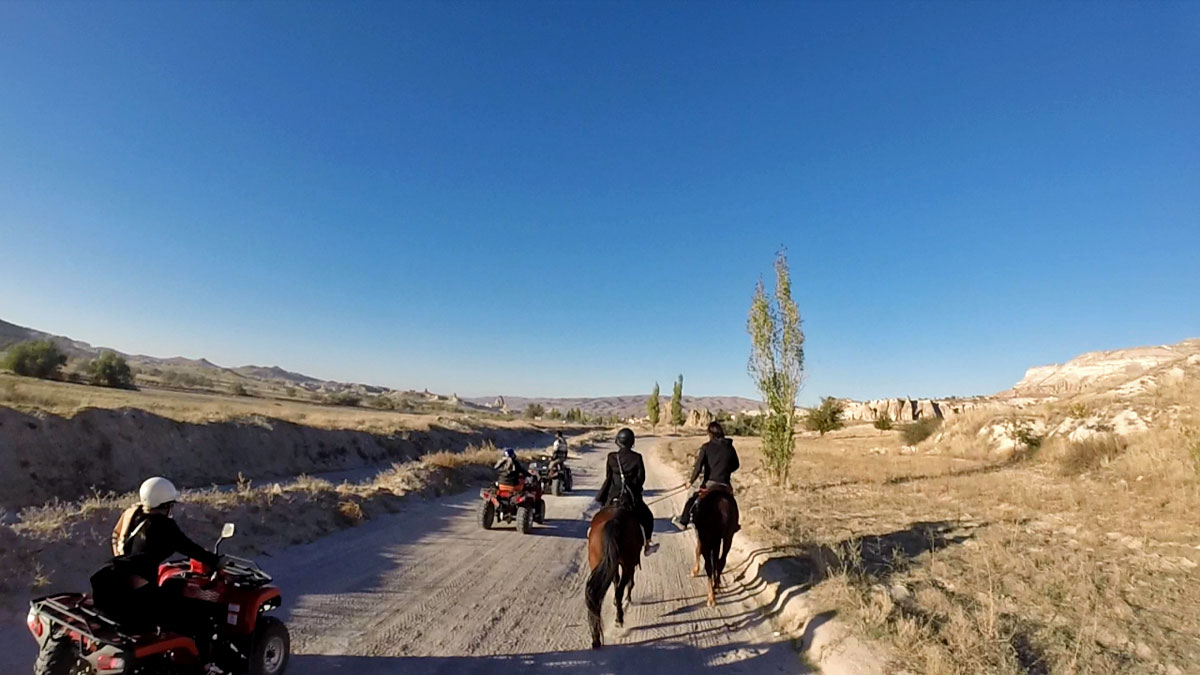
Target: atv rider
point(145, 536)
point(717, 460)
point(558, 454)
point(625, 475)
point(509, 470)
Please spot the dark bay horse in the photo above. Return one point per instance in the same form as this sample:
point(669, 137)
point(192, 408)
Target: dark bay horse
point(716, 522)
point(615, 542)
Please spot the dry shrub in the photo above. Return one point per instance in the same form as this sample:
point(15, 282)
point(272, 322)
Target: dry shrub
point(1091, 453)
point(351, 512)
point(920, 430)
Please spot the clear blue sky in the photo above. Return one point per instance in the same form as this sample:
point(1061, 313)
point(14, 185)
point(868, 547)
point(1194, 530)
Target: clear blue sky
point(577, 198)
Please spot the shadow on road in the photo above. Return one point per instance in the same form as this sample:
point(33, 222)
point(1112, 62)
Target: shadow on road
point(613, 659)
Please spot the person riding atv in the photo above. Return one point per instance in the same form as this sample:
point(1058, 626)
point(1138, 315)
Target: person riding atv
point(558, 454)
point(146, 535)
point(509, 470)
point(624, 478)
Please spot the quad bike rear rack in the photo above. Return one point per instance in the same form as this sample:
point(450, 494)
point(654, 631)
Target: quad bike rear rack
point(81, 620)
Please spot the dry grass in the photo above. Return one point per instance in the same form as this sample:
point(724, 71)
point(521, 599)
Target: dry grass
point(1091, 453)
point(59, 544)
point(966, 566)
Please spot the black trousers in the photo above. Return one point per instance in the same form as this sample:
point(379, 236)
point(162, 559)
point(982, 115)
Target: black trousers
point(640, 511)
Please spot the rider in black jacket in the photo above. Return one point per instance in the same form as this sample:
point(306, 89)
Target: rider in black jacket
point(717, 460)
point(145, 537)
point(624, 479)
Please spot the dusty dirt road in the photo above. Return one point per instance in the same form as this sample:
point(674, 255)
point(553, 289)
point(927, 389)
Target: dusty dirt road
point(428, 591)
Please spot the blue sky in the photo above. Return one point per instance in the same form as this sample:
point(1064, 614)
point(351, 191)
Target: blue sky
point(577, 198)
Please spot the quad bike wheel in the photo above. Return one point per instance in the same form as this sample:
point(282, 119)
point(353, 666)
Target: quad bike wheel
point(272, 647)
point(487, 515)
point(58, 657)
point(557, 488)
point(524, 519)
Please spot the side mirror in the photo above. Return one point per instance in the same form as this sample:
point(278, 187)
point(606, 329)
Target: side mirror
point(226, 532)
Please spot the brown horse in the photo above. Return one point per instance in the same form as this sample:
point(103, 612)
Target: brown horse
point(615, 541)
point(716, 522)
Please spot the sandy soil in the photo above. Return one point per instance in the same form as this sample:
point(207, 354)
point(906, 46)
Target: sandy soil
point(427, 590)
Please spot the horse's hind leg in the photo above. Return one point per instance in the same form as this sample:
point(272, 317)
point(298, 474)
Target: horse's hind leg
point(726, 545)
point(629, 574)
point(696, 567)
point(617, 599)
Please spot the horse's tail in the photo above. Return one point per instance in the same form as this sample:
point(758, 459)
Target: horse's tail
point(610, 563)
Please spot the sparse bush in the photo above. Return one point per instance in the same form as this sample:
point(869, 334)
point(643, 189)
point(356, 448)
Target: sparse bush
point(1079, 410)
point(39, 358)
point(351, 512)
point(920, 430)
point(238, 389)
point(554, 414)
point(346, 398)
point(883, 422)
point(825, 417)
point(744, 425)
point(534, 411)
point(1091, 452)
point(1023, 436)
point(111, 370)
point(383, 403)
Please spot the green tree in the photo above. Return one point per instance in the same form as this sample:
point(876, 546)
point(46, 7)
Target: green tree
point(883, 422)
point(652, 407)
point(111, 370)
point(554, 414)
point(677, 403)
point(534, 410)
point(777, 365)
point(825, 417)
point(38, 358)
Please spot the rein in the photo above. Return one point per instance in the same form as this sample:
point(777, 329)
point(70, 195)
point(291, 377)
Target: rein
point(670, 494)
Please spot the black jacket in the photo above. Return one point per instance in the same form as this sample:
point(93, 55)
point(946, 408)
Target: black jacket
point(154, 538)
point(623, 469)
point(717, 461)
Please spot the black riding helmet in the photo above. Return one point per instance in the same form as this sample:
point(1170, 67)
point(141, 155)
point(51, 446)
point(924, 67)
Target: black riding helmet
point(625, 438)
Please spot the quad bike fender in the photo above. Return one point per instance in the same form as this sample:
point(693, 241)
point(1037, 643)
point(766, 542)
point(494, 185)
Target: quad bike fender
point(243, 616)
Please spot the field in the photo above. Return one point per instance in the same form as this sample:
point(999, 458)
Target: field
point(66, 399)
point(970, 565)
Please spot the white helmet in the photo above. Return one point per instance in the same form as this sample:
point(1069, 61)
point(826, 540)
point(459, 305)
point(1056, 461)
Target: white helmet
point(157, 491)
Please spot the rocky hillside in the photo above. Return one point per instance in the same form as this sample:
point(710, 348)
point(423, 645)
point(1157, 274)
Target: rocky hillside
point(1130, 371)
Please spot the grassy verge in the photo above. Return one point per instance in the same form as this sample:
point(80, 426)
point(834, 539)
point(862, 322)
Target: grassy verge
point(1061, 563)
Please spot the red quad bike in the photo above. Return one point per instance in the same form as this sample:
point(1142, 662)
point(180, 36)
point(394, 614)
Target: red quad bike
point(522, 503)
point(76, 639)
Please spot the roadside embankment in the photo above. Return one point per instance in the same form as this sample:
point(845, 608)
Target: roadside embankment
point(57, 546)
point(45, 456)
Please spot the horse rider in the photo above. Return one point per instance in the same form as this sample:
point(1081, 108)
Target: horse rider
point(717, 460)
point(624, 478)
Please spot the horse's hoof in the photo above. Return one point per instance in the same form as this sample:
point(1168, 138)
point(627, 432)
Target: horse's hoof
point(595, 644)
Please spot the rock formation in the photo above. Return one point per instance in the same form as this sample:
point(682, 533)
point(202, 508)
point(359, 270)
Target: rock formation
point(906, 409)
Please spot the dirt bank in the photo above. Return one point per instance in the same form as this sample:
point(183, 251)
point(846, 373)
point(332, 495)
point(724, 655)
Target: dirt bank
point(45, 457)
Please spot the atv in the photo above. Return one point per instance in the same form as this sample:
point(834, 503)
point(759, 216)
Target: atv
point(76, 639)
point(555, 476)
point(522, 503)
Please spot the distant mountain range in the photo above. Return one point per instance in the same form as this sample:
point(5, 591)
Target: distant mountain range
point(202, 374)
point(633, 405)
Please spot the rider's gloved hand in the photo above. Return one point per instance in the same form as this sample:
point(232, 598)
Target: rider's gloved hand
point(224, 562)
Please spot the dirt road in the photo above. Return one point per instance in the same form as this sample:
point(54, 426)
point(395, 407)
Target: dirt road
point(428, 591)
